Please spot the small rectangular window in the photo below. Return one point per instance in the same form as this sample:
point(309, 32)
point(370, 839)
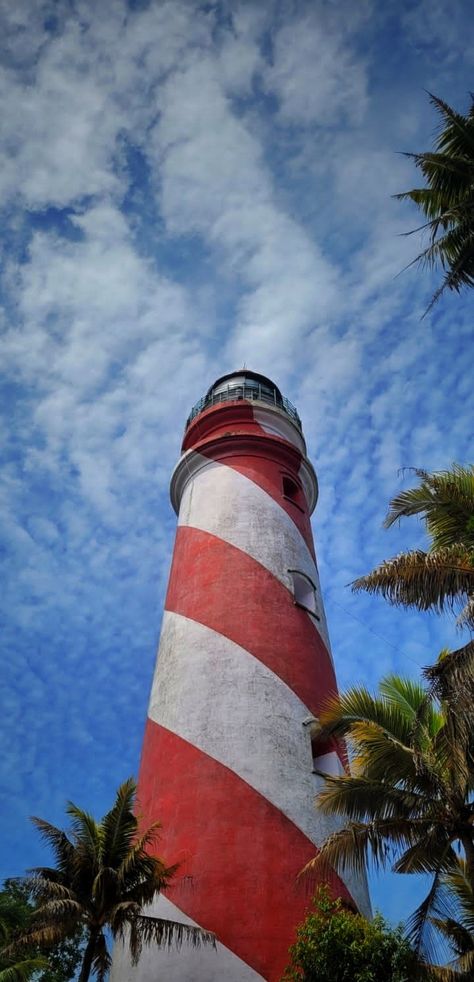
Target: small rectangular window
point(290, 488)
point(305, 593)
point(292, 491)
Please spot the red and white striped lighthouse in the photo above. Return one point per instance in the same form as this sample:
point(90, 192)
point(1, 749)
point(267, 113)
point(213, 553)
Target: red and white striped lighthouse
point(244, 666)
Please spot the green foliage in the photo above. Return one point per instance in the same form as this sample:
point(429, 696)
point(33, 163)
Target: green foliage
point(335, 945)
point(443, 577)
point(57, 964)
point(105, 873)
point(408, 802)
point(454, 921)
point(447, 200)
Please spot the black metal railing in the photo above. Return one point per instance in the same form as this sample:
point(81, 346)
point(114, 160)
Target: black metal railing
point(253, 393)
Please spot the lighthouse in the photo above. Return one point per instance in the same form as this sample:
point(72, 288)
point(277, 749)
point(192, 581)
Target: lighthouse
point(244, 665)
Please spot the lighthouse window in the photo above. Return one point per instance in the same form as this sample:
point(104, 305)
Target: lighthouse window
point(290, 488)
point(305, 593)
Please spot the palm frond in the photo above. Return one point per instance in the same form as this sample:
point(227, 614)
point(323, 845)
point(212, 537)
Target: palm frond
point(101, 962)
point(43, 936)
point(59, 910)
point(455, 934)
point(445, 501)
point(448, 198)
point(146, 930)
point(119, 826)
point(131, 864)
point(418, 925)
point(426, 581)
point(349, 849)
point(431, 852)
point(361, 798)
point(24, 970)
point(358, 705)
point(466, 617)
point(458, 135)
point(85, 832)
point(58, 842)
point(43, 886)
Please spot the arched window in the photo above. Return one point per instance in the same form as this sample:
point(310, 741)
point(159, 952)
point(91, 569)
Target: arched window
point(305, 593)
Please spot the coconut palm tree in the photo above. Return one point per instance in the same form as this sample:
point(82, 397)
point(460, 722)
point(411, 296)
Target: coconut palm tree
point(103, 879)
point(447, 200)
point(12, 921)
point(442, 577)
point(408, 801)
point(454, 920)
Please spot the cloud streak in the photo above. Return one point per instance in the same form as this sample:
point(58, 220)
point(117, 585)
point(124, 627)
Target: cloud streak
point(185, 188)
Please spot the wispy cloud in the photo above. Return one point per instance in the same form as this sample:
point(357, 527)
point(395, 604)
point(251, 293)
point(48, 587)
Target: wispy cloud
point(185, 188)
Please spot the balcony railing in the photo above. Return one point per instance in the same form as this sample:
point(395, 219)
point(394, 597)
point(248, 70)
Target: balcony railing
point(253, 393)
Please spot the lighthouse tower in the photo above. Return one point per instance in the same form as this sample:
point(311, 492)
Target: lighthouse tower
point(244, 665)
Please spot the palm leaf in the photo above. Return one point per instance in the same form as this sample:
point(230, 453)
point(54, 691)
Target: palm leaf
point(131, 865)
point(357, 705)
point(448, 198)
point(445, 500)
point(101, 962)
point(350, 848)
point(427, 581)
point(23, 971)
point(365, 799)
point(418, 926)
point(58, 842)
point(145, 930)
point(85, 831)
point(119, 826)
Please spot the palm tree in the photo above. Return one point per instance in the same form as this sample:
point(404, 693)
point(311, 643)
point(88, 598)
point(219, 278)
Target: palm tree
point(103, 878)
point(12, 921)
point(447, 201)
point(408, 802)
point(443, 577)
point(454, 920)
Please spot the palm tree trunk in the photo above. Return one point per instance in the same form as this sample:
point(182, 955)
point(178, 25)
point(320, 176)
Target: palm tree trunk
point(88, 956)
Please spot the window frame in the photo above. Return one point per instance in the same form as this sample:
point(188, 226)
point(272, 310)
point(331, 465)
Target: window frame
point(300, 603)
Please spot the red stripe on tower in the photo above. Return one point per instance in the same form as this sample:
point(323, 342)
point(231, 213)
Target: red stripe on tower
point(244, 667)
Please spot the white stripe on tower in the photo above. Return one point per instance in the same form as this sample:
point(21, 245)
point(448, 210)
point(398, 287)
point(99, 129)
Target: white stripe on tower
point(248, 518)
point(220, 965)
point(271, 752)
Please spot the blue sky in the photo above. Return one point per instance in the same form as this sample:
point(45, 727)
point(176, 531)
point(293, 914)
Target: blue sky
point(185, 188)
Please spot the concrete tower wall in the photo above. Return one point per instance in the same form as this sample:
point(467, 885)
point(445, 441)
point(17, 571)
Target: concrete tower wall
point(243, 667)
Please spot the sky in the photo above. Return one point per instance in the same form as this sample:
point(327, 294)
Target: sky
point(185, 188)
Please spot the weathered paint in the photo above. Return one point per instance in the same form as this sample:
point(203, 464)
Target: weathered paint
point(227, 433)
point(222, 587)
point(214, 965)
point(240, 856)
point(251, 520)
point(228, 757)
point(239, 729)
point(279, 424)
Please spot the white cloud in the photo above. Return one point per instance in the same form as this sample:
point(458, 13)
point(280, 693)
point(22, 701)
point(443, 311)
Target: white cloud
point(252, 229)
point(63, 123)
point(315, 74)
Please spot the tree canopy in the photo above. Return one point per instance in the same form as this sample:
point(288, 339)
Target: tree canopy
point(57, 964)
point(408, 801)
point(104, 878)
point(443, 576)
point(335, 945)
point(447, 199)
